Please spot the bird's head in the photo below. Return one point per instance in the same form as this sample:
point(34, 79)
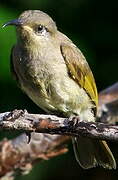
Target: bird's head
point(34, 27)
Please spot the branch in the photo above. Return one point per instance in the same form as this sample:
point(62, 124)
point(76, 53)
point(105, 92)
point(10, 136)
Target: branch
point(25, 155)
point(50, 124)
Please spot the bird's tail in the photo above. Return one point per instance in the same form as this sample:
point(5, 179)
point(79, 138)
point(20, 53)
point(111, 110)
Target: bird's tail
point(89, 153)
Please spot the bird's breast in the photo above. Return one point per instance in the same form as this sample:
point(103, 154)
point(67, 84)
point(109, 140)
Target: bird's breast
point(46, 81)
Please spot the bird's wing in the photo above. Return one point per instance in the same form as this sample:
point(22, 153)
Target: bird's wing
point(79, 70)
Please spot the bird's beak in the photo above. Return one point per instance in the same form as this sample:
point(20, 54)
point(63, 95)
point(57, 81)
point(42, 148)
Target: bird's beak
point(16, 22)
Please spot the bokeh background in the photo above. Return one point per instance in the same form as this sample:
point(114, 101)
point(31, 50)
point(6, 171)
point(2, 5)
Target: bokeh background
point(93, 27)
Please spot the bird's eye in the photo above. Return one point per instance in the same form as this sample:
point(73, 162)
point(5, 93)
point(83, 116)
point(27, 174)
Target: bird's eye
point(40, 30)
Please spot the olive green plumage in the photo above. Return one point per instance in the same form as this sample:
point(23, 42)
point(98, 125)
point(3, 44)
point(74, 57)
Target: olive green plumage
point(53, 72)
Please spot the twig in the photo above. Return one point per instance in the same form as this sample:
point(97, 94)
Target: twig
point(22, 120)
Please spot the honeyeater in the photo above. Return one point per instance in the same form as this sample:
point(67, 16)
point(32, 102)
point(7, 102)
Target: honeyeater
point(53, 72)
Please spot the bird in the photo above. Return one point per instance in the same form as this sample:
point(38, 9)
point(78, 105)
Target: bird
point(55, 75)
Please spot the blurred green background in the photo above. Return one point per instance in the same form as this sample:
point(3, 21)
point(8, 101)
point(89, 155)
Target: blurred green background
point(93, 27)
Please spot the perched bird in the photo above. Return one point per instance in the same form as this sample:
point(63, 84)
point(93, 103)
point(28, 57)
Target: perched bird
point(53, 72)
